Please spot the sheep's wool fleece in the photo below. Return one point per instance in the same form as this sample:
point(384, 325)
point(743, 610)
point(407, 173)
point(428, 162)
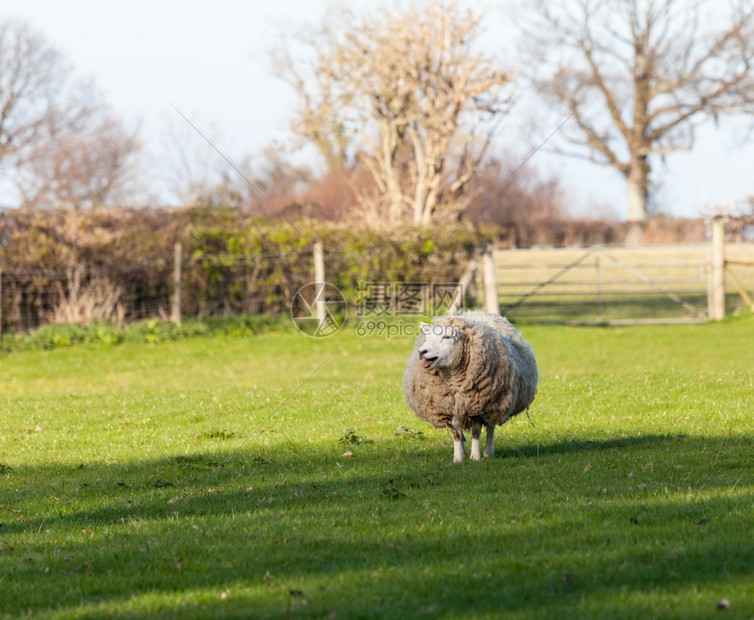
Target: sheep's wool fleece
point(493, 375)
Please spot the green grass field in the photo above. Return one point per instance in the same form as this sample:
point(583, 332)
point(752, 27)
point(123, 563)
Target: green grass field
point(282, 476)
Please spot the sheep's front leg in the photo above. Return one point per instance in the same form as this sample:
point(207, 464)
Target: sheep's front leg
point(476, 433)
point(458, 440)
point(489, 448)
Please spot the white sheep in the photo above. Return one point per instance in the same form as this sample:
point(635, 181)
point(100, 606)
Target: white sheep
point(467, 371)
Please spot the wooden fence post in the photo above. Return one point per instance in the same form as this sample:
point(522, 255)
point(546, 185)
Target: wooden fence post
point(320, 304)
point(716, 294)
point(175, 310)
point(491, 301)
point(462, 287)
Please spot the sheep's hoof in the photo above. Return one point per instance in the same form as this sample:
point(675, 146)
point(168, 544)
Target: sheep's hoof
point(488, 454)
point(475, 457)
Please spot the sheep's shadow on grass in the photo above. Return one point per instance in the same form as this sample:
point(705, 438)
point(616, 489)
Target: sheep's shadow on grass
point(715, 461)
point(506, 447)
point(295, 518)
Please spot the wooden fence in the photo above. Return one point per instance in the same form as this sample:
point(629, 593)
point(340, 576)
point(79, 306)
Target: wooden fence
point(612, 285)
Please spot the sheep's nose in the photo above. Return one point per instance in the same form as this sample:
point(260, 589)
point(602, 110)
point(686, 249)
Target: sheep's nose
point(422, 353)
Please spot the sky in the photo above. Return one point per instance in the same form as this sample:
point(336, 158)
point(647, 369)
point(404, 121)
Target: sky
point(210, 60)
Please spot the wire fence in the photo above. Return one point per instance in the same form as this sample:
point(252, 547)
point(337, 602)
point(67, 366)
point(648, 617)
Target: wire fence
point(202, 285)
point(209, 286)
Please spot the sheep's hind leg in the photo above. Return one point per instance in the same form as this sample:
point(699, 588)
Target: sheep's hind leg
point(489, 448)
point(458, 440)
point(476, 433)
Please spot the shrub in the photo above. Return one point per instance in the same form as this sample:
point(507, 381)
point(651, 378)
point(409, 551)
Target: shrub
point(232, 264)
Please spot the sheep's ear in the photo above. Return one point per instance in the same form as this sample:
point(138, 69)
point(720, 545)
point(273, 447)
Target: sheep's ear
point(425, 327)
point(456, 332)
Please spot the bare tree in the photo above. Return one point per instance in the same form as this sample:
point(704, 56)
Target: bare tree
point(84, 163)
point(277, 182)
point(196, 174)
point(260, 184)
point(638, 76)
point(61, 146)
point(407, 95)
point(32, 75)
point(527, 196)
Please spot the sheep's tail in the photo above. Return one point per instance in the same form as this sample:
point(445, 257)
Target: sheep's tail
point(529, 418)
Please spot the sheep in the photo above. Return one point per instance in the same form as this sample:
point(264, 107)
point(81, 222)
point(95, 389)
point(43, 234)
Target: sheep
point(470, 370)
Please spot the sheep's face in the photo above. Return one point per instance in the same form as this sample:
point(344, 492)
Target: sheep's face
point(439, 349)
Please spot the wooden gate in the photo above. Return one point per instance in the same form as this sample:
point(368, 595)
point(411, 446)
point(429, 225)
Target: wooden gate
point(604, 285)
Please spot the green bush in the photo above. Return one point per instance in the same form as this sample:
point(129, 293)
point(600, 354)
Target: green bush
point(62, 335)
point(151, 331)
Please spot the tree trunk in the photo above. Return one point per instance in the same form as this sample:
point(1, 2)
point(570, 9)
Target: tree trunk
point(638, 189)
point(426, 220)
point(430, 204)
point(419, 208)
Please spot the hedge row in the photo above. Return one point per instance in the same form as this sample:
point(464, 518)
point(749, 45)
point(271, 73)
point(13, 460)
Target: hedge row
point(117, 266)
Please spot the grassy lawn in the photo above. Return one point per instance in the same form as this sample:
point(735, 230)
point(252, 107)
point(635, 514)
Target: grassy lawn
point(282, 476)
